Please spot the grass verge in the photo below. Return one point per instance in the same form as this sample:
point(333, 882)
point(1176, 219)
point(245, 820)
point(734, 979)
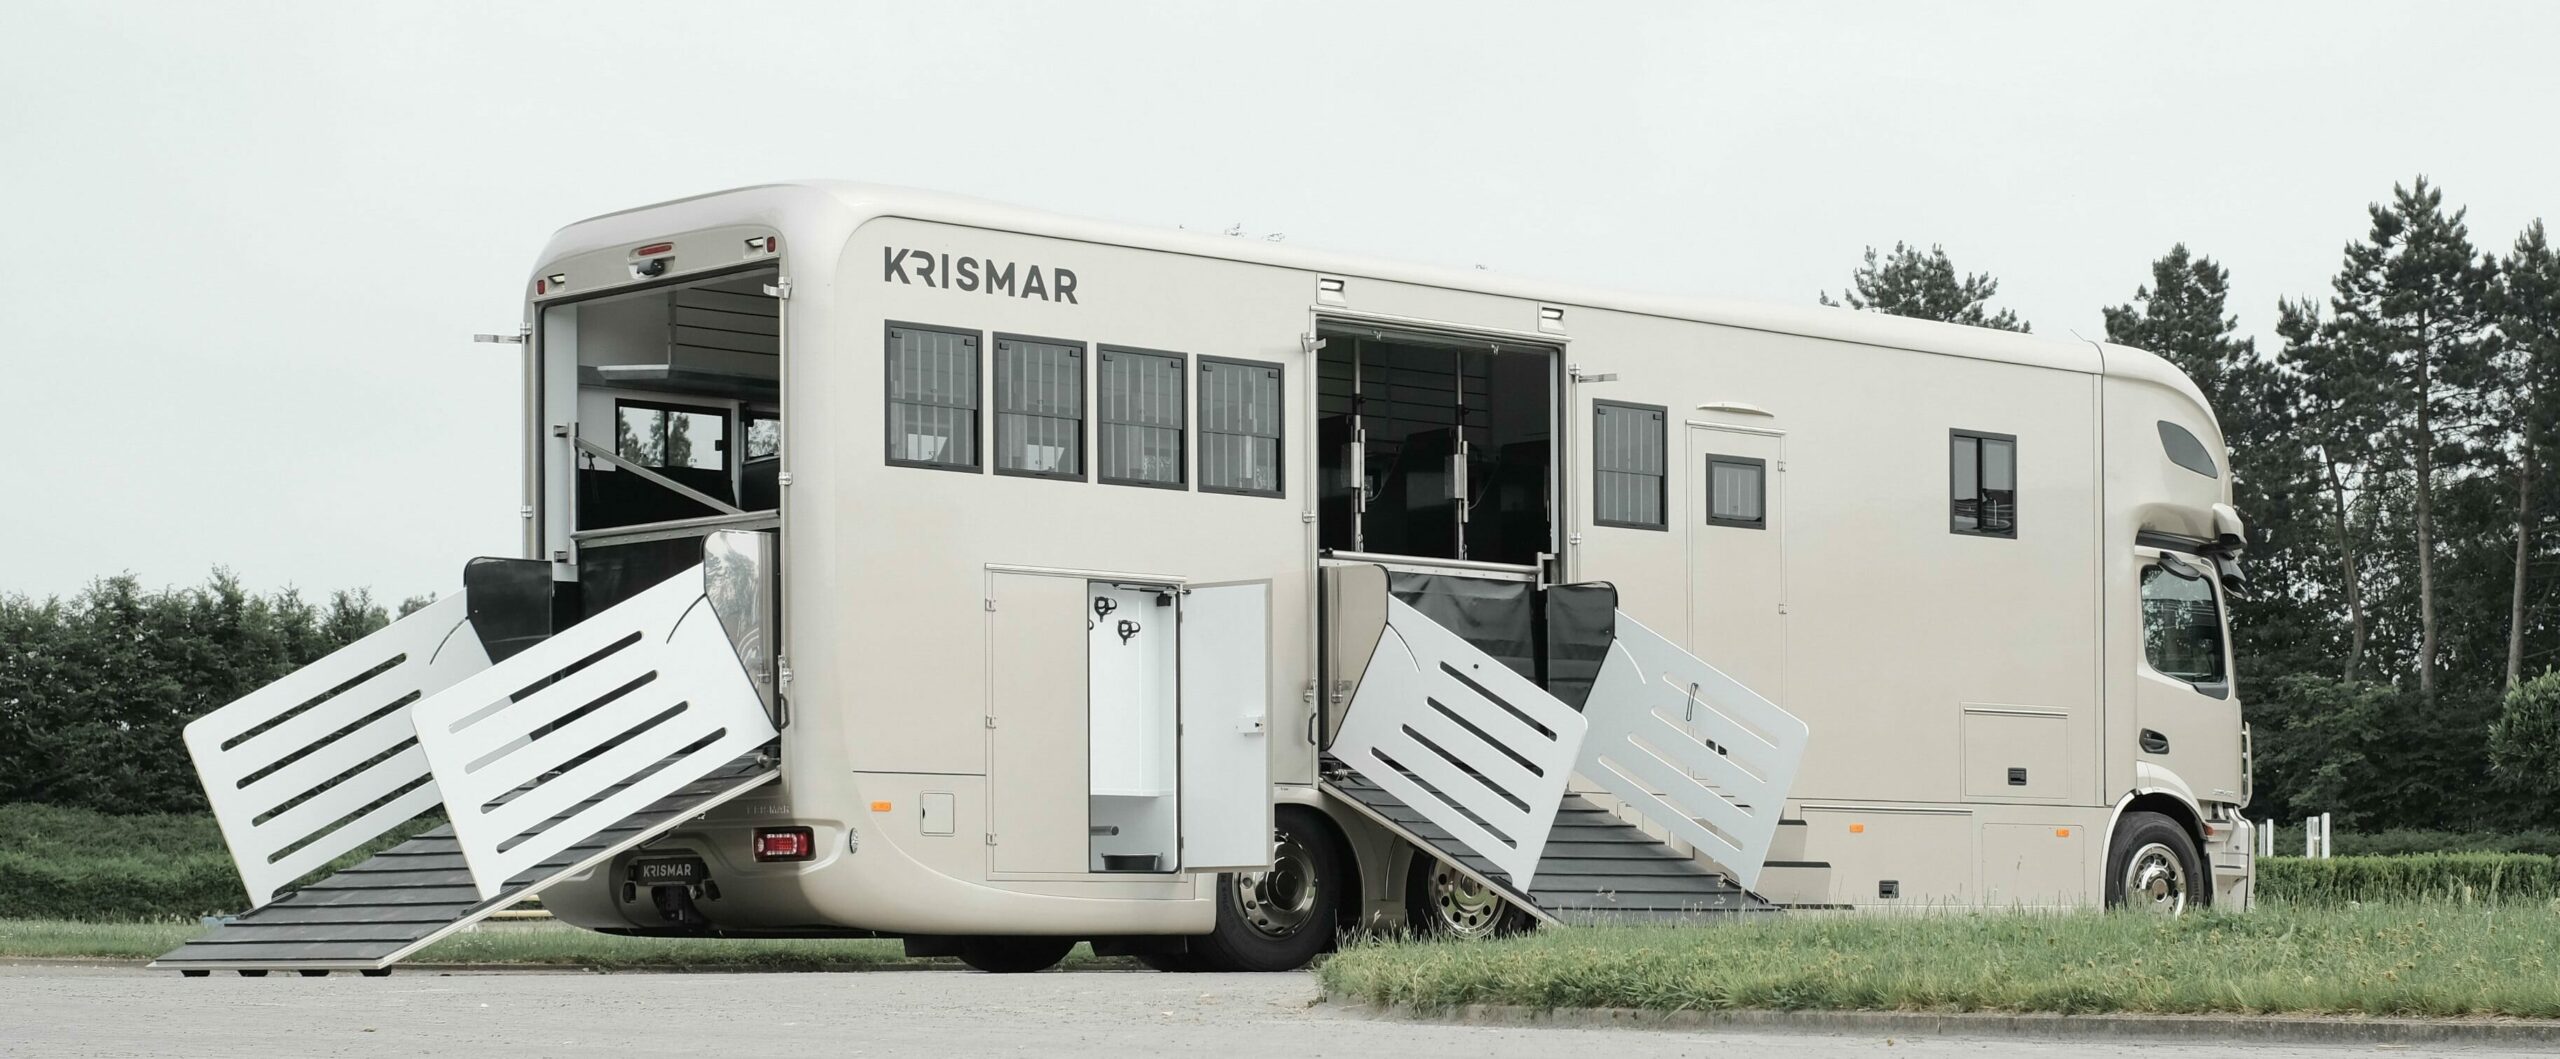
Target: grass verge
point(2409, 959)
point(528, 945)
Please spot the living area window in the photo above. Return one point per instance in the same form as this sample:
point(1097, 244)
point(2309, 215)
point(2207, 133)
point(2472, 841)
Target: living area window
point(1982, 484)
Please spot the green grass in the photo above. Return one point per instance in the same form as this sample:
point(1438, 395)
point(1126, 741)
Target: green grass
point(521, 944)
point(2407, 959)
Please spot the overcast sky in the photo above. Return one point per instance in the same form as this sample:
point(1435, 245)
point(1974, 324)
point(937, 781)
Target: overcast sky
point(246, 245)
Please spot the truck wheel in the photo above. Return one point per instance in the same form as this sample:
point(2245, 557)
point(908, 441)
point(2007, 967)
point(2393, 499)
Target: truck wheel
point(1278, 920)
point(2152, 866)
point(1014, 955)
point(1443, 902)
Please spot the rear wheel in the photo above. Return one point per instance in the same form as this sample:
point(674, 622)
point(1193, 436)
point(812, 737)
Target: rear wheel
point(2152, 866)
point(1014, 955)
point(1442, 902)
point(1278, 920)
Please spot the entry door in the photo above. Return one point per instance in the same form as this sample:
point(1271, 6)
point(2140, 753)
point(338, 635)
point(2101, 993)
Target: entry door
point(1226, 726)
point(1737, 555)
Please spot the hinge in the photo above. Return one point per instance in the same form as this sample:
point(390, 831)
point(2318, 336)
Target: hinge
point(1782, 466)
point(1306, 516)
point(782, 671)
point(991, 838)
point(1309, 343)
point(782, 478)
point(525, 512)
point(991, 720)
point(779, 290)
point(991, 604)
point(1310, 696)
point(1574, 539)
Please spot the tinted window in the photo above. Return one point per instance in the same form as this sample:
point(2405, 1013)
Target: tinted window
point(2185, 451)
point(933, 398)
point(1039, 404)
point(764, 436)
point(1627, 477)
point(1982, 484)
point(1239, 427)
point(1141, 417)
point(2181, 624)
point(1737, 492)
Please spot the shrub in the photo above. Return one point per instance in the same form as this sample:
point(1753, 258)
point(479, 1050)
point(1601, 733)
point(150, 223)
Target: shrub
point(2524, 742)
point(2464, 877)
point(2403, 841)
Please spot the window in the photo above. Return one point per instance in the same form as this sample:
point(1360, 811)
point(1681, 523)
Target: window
point(1039, 399)
point(1142, 418)
point(933, 398)
point(1737, 492)
point(1239, 427)
point(1982, 483)
point(2182, 624)
point(764, 435)
point(664, 435)
point(2185, 451)
point(1627, 479)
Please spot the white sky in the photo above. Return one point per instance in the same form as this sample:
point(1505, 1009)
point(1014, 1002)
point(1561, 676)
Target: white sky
point(246, 244)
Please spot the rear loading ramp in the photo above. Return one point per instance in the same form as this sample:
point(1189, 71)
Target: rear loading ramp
point(403, 899)
point(567, 752)
point(1470, 760)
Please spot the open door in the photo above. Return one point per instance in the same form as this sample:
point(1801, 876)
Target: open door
point(1226, 718)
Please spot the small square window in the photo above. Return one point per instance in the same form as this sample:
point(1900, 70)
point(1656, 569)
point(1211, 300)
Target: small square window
point(1737, 492)
point(1982, 484)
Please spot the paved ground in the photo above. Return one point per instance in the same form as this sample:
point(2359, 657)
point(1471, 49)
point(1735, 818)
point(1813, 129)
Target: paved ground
point(89, 1010)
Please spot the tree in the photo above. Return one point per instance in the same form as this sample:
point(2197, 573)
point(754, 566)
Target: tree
point(2411, 305)
point(2182, 316)
point(2340, 417)
point(1925, 286)
point(2524, 743)
point(2528, 371)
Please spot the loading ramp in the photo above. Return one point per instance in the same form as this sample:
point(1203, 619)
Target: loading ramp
point(386, 908)
point(1471, 761)
point(547, 763)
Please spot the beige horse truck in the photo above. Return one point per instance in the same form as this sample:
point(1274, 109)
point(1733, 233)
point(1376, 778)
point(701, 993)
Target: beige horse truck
point(902, 565)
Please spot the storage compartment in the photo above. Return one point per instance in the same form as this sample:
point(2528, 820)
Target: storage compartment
point(2016, 754)
point(1132, 632)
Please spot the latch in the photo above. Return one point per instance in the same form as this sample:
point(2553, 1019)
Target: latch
point(782, 671)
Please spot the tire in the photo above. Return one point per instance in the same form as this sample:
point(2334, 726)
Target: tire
point(1281, 919)
point(1014, 955)
point(1442, 902)
point(2153, 866)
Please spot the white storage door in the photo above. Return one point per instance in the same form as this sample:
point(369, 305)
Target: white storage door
point(1226, 720)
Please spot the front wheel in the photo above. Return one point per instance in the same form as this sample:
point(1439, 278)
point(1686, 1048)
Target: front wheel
point(2152, 866)
point(1280, 919)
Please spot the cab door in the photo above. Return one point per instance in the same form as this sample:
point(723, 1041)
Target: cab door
point(2188, 719)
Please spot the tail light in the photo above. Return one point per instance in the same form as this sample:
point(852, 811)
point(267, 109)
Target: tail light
point(785, 843)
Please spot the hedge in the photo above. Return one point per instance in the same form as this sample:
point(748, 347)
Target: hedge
point(117, 888)
point(2465, 877)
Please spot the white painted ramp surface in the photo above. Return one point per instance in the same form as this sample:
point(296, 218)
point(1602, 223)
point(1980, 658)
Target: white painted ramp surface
point(566, 739)
point(1476, 749)
point(1659, 717)
point(325, 760)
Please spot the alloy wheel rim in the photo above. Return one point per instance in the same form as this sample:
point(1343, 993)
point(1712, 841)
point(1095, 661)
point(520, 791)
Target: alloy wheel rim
point(1465, 907)
point(1279, 902)
point(2156, 879)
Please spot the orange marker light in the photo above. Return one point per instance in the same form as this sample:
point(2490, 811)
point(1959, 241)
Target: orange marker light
point(1857, 829)
point(2062, 832)
point(879, 807)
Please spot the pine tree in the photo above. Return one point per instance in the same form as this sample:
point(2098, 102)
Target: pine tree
point(2181, 315)
point(1925, 286)
point(2528, 396)
point(2411, 305)
point(2341, 418)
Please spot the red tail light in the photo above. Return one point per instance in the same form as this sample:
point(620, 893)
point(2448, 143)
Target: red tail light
point(653, 250)
point(785, 843)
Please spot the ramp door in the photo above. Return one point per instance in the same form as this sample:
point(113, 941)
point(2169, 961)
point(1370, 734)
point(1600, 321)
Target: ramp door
point(548, 763)
point(1470, 761)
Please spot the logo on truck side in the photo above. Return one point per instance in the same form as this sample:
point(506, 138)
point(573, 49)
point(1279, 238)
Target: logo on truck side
point(977, 274)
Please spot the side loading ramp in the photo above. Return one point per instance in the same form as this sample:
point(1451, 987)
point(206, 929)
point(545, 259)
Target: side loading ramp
point(547, 763)
point(1472, 761)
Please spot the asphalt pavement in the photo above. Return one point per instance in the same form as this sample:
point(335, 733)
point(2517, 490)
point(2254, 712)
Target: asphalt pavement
point(118, 1010)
